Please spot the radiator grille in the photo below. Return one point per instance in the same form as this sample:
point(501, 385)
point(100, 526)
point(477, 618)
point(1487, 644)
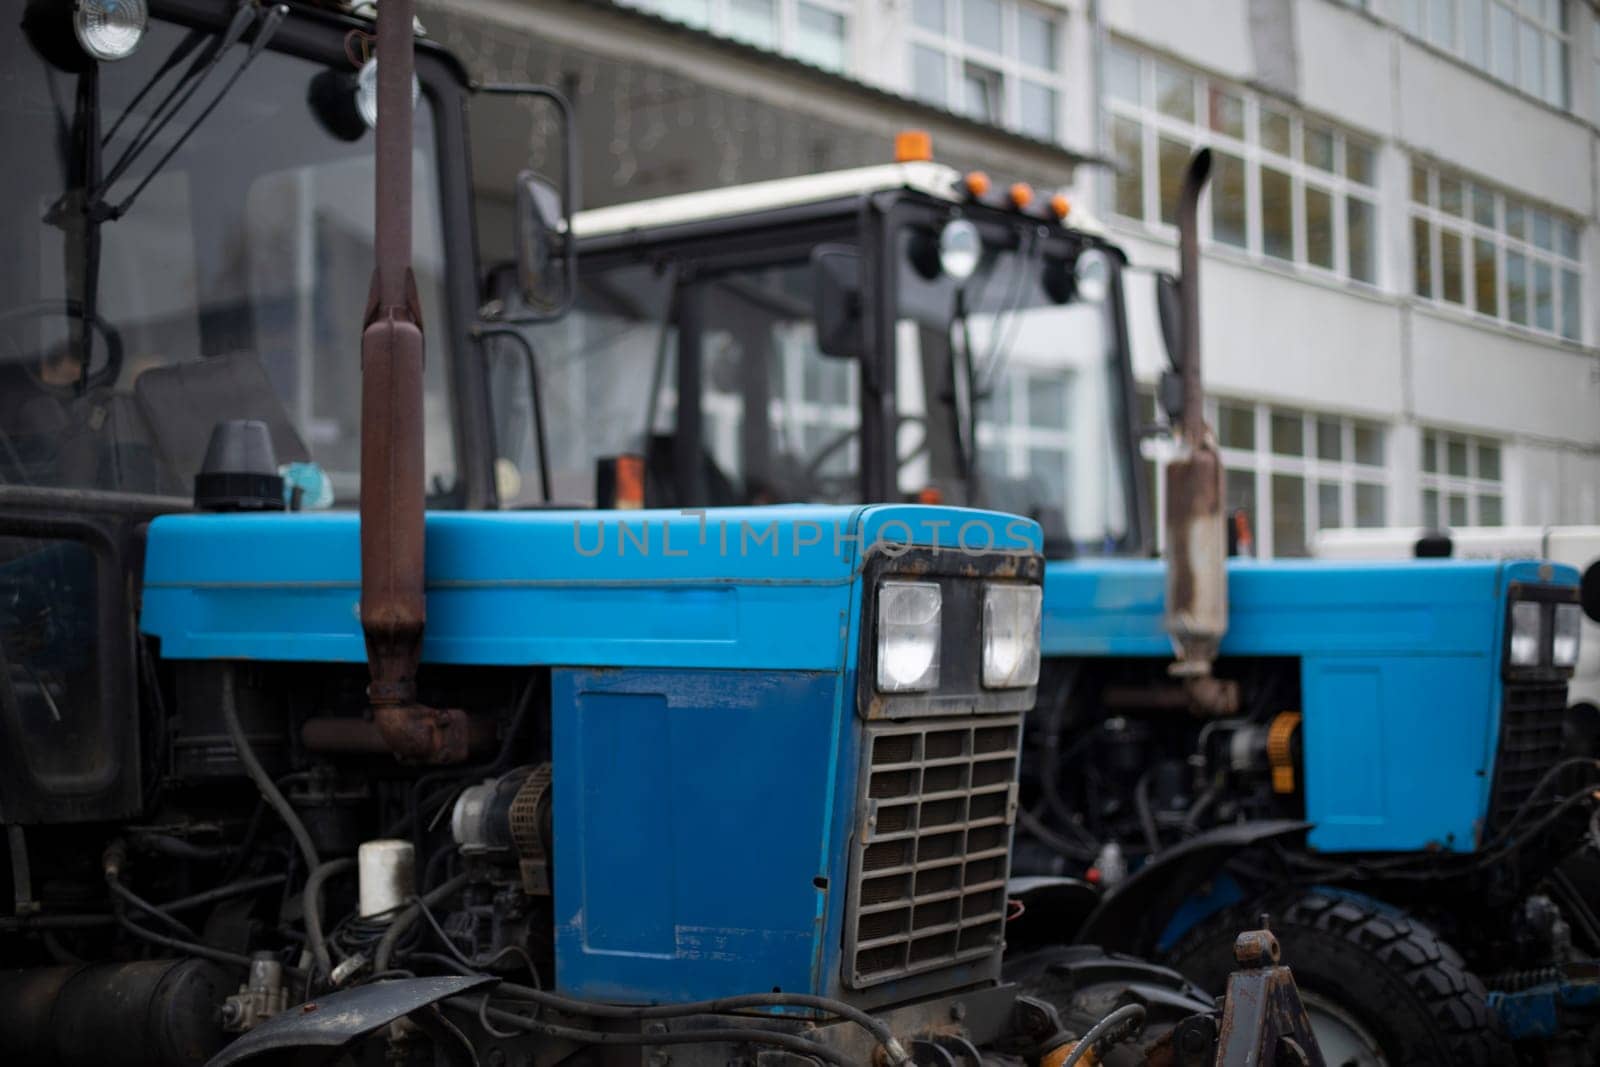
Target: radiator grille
point(1530, 744)
point(928, 875)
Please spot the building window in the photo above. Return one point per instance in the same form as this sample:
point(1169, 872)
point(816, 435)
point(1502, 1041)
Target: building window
point(1594, 53)
point(998, 61)
point(1520, 42)
point(1284, 187)
point(1488, 252)
point(813, 31)
point(1462, 481)
point(1292, 472)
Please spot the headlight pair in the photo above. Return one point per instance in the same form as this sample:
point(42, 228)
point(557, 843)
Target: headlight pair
point(1529, 622)
point(910, 631)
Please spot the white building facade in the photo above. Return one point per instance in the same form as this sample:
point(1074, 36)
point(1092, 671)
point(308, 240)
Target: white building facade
point(1401, 284)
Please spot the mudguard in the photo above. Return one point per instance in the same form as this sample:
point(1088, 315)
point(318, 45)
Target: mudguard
point(1047, 910)
point(1132, 917)
point(333, 1021)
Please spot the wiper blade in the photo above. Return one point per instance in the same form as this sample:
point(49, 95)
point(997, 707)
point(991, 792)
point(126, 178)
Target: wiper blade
point(192, 40)
point(249, 14)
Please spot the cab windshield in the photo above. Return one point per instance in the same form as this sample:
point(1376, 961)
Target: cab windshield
point(1011, 382)
point(1017, 374)
point(652, 347)
point(232, 287)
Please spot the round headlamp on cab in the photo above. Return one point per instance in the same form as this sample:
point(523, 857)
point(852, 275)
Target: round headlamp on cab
point(1093, 276)
point(109, 29)
point(960, 249)
point(367, 92)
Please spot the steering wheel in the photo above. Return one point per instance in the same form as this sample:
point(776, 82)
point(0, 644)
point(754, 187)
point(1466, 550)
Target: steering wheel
point(844, 437)
point(73, 309)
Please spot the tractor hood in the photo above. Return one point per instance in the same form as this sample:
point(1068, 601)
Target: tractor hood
point(752, 588)
point(1292, 607)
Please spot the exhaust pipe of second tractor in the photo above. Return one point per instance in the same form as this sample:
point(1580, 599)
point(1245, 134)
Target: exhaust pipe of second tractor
point(1197, 544)
point(392, 468)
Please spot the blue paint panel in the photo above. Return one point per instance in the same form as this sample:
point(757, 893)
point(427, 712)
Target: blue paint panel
point(625, 750)
point(1344, 719)
point(1396, 750)
point(736, 587)
point(1399, 668)
point(1114, 607)
point(701, 805)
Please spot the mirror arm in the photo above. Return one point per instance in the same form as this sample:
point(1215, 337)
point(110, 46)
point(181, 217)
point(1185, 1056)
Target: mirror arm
point(481, 331)
point(569, 185)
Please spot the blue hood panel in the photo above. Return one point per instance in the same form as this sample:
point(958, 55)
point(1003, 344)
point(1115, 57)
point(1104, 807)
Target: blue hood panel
point(740, 587)
point(1288, 607)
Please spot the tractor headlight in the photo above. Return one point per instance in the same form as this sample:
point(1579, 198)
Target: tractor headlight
point(1568, 628)
point(1011, 636)
point(1527, 633)
point(908, 636)
point(109, 29)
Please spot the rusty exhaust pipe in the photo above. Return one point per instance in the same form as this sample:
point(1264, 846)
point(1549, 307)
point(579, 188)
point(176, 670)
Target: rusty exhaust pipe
point(393, 610)
point(1197, 543)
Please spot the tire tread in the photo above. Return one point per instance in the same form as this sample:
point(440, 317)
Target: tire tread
point(1465, 1031)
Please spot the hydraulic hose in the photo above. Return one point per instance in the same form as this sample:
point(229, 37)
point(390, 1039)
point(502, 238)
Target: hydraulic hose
point(311, 906)
point(258, 774)
point(728, 1036)
point(408, 918)
point(1121, 1025)
point(879, 1029)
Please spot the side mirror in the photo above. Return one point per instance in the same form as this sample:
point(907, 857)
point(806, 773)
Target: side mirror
point(1169, 307)
point(540, 243)
point(836, 300)
point(546, 248)
point(1589, 591)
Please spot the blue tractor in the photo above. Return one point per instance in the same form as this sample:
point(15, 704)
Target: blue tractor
point(433, 782)
point(1374, 755)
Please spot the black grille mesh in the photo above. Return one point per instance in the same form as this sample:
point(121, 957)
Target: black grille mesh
point(936, 803)
point(1530, 744)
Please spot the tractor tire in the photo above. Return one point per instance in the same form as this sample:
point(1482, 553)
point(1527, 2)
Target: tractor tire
point(1408, 993)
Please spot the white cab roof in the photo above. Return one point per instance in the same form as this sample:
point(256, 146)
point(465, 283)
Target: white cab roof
point(933, 179)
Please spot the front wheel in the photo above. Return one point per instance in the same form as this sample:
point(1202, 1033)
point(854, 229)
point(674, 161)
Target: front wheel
point(1380, 987)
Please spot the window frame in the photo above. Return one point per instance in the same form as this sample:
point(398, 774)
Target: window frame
point(786, 26)
point(1260, 463)
point(1506, 245)
point(1554, 40)
point(1013, 70)
point(1472, 485)
point(1154, 125)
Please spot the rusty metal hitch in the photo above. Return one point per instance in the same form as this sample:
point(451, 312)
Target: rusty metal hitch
point(1263, 1021)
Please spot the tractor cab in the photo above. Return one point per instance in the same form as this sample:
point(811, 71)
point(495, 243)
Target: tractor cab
point(897, 332)
point(188, 224)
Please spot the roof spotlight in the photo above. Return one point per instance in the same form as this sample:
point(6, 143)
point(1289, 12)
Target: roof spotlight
point(1093, 276)
point(109, 29)
point(960, 249)
point(367, 92)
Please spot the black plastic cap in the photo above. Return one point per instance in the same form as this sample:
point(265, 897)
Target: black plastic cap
point(240, 472)
point(1435, 544)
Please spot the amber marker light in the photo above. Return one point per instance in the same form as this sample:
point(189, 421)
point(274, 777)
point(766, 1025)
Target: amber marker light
point(913, 146)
